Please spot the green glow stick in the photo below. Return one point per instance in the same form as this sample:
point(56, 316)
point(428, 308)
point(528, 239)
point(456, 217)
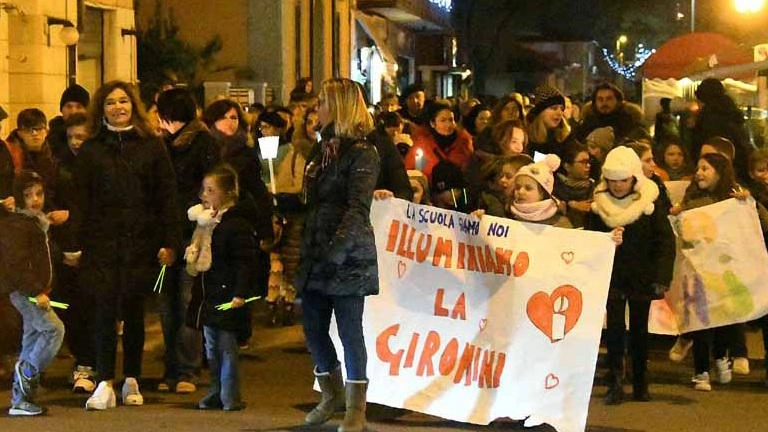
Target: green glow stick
point(159, 282)
point(54, 304)
point(228, 306)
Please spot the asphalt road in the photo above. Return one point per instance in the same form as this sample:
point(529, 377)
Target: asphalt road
point(277, 390)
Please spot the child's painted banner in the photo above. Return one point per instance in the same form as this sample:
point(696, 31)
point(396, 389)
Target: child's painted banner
point(480, 319)
point(721, 269)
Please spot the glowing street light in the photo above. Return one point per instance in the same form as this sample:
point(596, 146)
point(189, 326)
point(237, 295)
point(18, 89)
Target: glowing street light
point(749, 6)
point(619, 42)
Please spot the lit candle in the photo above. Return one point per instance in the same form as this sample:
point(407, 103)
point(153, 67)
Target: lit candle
point(420, 159)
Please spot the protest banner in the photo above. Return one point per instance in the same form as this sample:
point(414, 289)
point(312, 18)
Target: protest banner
point(487, 318)
point(721, 270)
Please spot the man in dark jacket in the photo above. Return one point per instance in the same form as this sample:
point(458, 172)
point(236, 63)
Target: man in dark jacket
point(392, 175)
point(608, 108)
point(193, 153)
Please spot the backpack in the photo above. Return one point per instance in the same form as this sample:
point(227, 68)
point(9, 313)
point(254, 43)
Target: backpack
point(25, 263)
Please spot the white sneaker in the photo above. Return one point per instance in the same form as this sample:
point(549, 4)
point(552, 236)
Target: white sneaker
point(82, 380)
point(680, 349)
point(102, 398)
point(724, 372)
point(741, 366)
point(701, 382)
point(130, 393)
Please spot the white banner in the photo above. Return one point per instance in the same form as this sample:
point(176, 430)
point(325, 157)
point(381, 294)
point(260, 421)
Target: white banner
point(721, 270)
point(484, 319)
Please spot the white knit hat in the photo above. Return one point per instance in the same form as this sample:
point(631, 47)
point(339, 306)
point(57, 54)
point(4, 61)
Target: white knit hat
point(542, 171)
point(622, 163)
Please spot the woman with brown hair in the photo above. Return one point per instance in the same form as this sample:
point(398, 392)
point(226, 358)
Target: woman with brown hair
point(338, 266)
point(128, 230)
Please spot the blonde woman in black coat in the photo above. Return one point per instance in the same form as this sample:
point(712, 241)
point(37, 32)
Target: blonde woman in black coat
point(338, 255)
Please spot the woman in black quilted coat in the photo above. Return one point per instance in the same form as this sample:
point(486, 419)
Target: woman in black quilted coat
point(338, 254)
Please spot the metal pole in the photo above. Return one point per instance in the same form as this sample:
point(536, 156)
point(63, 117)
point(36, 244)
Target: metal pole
point(693, 16)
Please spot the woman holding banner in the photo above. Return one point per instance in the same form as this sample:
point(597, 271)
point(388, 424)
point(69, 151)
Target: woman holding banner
point(338, 266)
point(642, 267)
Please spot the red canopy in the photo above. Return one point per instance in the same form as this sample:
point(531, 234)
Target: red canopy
point(694, 53)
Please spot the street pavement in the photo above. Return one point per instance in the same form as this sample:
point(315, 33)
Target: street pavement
point(277, 380)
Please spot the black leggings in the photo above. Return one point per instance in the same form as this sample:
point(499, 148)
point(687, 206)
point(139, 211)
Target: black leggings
point(108, 310)
point(638, 333)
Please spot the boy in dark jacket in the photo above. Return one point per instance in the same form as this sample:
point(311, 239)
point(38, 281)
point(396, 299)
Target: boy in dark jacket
point(28, 249)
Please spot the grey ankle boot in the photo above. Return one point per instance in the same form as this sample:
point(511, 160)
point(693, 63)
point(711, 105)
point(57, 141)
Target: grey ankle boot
point(332, 398)
point(354, 418)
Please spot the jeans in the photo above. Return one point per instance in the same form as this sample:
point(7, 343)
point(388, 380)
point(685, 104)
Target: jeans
point(222, 350)
point(317, 308)
point(182, 343)
point(638, 334)
point(43, 335)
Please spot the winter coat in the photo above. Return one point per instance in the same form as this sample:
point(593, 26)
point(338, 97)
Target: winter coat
point(127, 211)
point(727, 121)
point(338, 253)
point(459, 152)
point(493, 202)
point(193, 153)
point(232, 273)
point(6, 171)
point(25, 260)
point(392, 174)
point(568, 190)
point(57, 137)
point(627, 121)
point(647, 253)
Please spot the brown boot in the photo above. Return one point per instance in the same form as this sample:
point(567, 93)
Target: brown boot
point(354, 418)
point(332, 398)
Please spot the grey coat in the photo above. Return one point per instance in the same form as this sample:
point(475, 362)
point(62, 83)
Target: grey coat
point(338, 252)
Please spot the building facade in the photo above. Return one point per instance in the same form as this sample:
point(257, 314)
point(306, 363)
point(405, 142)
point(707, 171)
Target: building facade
point(46, 45)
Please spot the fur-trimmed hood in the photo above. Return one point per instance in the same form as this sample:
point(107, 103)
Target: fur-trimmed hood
point(617, 212)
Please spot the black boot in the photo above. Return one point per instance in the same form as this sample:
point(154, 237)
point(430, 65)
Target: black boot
point(288, 316)
point(273, 315)
point(640, 386)
point(332, 398)
point(615, 394)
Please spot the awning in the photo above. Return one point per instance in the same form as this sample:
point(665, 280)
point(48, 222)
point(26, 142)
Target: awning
point(731, 71)
point(368, 24)
point(695, 53)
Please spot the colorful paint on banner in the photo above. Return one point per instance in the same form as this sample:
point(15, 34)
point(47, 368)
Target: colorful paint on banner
point(480, 319)
point(721, 270)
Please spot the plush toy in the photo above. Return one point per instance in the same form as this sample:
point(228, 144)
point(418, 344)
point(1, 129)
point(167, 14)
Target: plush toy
point(198, 253)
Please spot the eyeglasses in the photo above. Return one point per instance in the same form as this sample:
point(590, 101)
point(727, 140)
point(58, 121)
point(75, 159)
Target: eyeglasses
point(34, 130)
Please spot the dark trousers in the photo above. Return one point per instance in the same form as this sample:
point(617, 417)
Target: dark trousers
point(638, 334)
point(721, 341)
point(317, 310)
point(77, 337)
point(183, 344)
point(111, 308)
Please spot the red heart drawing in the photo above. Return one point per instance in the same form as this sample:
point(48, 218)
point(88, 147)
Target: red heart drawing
point(541, 311)
point(400, 269)
point(567, 257)
point(483, 324)
point(551, 381)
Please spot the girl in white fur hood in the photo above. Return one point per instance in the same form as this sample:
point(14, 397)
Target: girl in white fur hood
point(627, 200)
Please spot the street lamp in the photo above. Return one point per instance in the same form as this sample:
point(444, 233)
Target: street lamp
point(749, 6)
point(619, 42)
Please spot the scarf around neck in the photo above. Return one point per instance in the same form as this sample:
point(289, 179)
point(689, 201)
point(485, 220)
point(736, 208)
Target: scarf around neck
point(573, 183)
point(116, 128)
point(617, 212)
point(534, 212)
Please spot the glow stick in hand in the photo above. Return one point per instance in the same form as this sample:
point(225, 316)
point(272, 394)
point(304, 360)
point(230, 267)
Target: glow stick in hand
point(54, 304)
point(228, 306)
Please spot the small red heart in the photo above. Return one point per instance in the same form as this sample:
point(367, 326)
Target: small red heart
point(400, 269)
point(567, 257)
point(551, 381)
point(483, 323)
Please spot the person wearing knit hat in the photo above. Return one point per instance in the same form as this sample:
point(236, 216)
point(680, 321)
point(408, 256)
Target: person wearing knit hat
point(600, 141)
point(625, 203)
point(420, 187)
point(547, 128)
point(532, 197)
point(544, 97)
point(74, 100)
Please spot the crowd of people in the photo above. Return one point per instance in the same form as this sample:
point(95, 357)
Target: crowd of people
point(113, 197)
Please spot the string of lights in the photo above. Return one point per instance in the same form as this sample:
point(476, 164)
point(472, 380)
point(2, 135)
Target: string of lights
point(628, 70)
point(446, 5)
